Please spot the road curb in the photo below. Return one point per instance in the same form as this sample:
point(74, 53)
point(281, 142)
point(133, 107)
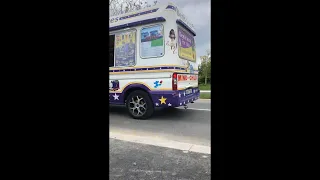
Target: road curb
point(157, 141)
point(205, 91)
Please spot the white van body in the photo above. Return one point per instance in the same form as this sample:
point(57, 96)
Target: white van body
point(160, 59)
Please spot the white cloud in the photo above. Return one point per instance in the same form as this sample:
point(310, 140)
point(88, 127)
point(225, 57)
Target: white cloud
point(202, 49)
point(198, 14)
point(197, 11)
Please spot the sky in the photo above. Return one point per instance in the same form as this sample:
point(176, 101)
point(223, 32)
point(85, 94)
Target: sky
point(198, 12)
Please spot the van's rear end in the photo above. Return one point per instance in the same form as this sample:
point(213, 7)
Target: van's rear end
point(185, 86)
point(184, 89)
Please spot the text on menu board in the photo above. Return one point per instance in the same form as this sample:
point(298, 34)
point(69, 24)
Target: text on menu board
point(185, 40)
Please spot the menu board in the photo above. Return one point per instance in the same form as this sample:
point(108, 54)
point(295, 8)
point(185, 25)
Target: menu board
point(125, 49)
point(152, 44)
point(186, 43)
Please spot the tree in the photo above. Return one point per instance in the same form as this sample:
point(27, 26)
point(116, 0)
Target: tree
point(205, 68)
point(117, 7)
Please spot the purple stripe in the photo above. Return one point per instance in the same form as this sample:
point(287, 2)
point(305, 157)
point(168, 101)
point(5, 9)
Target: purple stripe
point(164, 68)
point(137, 23)
point(172, 97)
point(171, 7)
point(139, 14)
point(180, 22)
point(163, 92)
point(146, 69)
point(137, 86)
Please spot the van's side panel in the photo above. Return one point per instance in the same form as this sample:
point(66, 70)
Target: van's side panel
point(154, 75)
point(158, 85)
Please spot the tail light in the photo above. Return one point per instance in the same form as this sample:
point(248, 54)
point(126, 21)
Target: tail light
point(174, 81)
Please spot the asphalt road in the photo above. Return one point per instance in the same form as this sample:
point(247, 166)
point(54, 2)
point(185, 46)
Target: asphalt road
point(188, 126)
point(139, 161)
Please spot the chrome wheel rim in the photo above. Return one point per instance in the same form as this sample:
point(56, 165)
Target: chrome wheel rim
point(137, 106)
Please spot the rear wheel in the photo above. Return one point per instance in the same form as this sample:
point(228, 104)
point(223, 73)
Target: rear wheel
point(139, 105)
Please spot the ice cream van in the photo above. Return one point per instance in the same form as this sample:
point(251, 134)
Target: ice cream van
point(152, 60)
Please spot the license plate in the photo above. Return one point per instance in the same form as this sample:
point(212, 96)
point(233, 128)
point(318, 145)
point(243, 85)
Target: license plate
point(189, 91)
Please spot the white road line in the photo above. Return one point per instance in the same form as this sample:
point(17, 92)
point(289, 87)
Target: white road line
point(199, 109)
point(157, 141)
point(203, 100)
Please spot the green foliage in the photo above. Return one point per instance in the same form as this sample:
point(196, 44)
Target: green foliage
point(205, 69)
point(205, 95)
point(205, 87)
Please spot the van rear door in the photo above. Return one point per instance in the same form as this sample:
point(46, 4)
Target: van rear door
point(187, 81)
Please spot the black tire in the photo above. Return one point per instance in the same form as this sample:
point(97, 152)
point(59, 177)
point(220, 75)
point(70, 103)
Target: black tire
point(139, 105)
